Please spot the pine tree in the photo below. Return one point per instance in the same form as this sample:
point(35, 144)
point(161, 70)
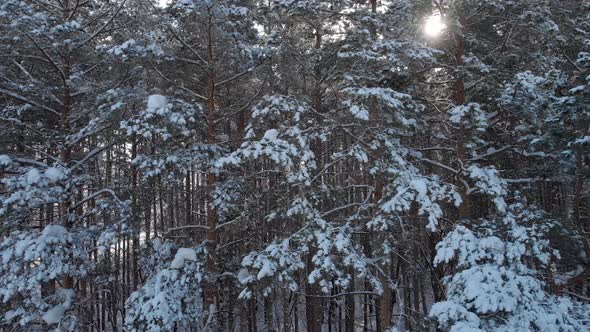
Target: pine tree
point(56, 212)
point(294, 164)
point(496, 286)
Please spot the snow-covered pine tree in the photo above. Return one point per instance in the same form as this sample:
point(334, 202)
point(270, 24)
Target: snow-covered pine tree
point(308, 155)
point(550, 100)
point(481, 121)
point(498, 280)
point(345, 116)
point(190, 115)
point(55, 210)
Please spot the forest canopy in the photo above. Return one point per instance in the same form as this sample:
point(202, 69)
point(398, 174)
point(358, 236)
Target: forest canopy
point(294, 165)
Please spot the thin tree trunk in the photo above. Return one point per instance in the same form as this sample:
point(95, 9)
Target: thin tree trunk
point(465, 207)
point(212, 235)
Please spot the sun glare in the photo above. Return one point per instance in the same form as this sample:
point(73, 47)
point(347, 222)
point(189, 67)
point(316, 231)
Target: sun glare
point(434, 26)
point(163, 3)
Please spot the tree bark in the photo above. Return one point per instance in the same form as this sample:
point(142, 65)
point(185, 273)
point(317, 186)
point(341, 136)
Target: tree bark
point(465, 207)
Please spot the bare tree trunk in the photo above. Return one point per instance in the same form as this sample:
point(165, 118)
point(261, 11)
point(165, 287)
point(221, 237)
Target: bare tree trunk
point(268, 316)
point(349, 307)
point(579, 191)
point(136, 220)
point(296, 314)
point(313, 307)
point(465, 207)
point(211, 300)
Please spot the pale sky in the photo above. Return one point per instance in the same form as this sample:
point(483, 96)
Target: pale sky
point(433, 26)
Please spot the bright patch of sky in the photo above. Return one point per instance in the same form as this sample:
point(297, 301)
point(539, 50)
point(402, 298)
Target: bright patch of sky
point(434, 26)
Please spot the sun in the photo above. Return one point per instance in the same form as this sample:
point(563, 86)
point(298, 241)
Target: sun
point(434, 26)
point(163, 3)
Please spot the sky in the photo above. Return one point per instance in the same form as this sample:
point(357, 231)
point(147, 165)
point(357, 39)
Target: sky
point(433, 26)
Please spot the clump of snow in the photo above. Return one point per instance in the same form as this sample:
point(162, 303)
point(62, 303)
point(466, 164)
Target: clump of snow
point(120, 49)
point(488, 181)
point(156, 102)
point(54, 174)
point(427, 192)
point(244, 276)
point(117, 105)
point(33, 176)
point(170, 299)
point(56, 231)
point(183, 255)
point(5, 160)
point(19, 249)
point(271, 135)
point(163, 116)
point(267, 269)
point(580, 141)
point(470, 115)
point(56, 314)
point(360, 112)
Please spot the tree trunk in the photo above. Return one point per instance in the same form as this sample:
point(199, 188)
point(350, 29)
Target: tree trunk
point(465, 207)
point(212, 235)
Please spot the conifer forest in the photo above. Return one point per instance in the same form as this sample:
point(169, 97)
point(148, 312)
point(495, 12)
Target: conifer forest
point(295, 165)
